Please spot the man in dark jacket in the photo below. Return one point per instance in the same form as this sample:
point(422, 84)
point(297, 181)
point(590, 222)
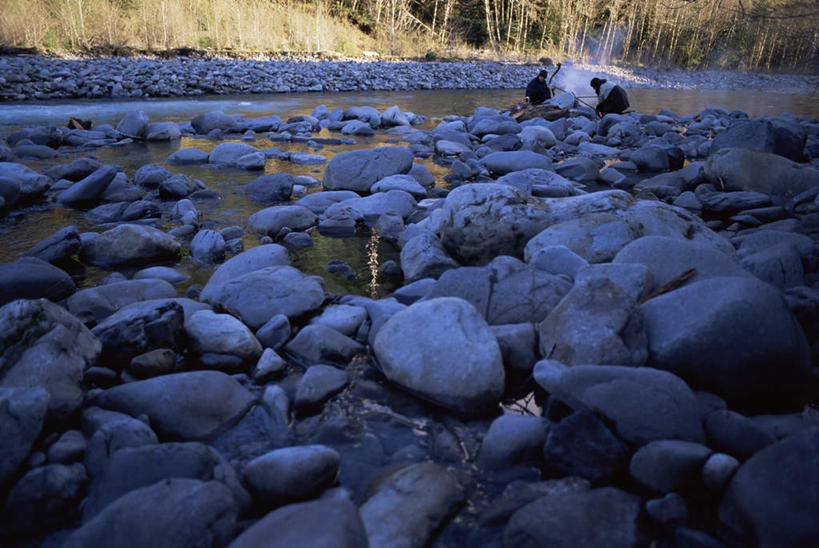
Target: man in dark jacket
point(538, 91)
point(611, 98)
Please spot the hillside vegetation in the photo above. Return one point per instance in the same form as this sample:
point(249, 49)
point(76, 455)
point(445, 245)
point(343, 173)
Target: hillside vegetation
point(734, 34)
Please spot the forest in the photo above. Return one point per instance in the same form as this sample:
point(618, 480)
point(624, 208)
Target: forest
point(768, 35)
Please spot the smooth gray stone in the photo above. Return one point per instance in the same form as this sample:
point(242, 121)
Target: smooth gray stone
point(153, 363)
point(291, 525)
point(130, 244)
point(97, 303)
point(179, 186)
point(414, 291)
point(208, 247)
point(318, 202)
point(162, 131)
point(779, 265)
point(22, 414)
point(595, 237)
point(136, 467)
point(276, 187)
point(358, 170)
point(407, 183)
point(668, 409)
point(259, 295)
point(729, 432)
point(718, 471)
point(208, 332)
point(120, 190)
point(243, 263)
point(636, 279)
point(669, 465)
point(581, 445)
point(425, 257)
point(44, 345)
point(139, 518)
point(429, 344)
point(68, 448)
point(44, 498)
point(505, 291)
point(292, 473)
point(9, 191)
point(734, 336)
point(117, 433)
point(74, 171)
point(513, 440)
point(518, 345)
point(32, 278)
point(269, 364)
point(275, 332)
point(164, 273)
point(595, 323)
point(767, 502)
point(272, 220)
point(151, 175)
point(503, 162)
point(318, 343)
point(767, 135)
point(230, 153)
point(497, 125)
point(370, 208)
point(650, 158)
point(519, 493)
point(357, 127)
point(581, 169)
point(133, 124)
point(752, 170)
point(182, 406)
point(600, 517)
point(540, 182)
point(716, 201)
point(184, 156)
point(31, 183)
point(318, 384)
point(107, 213)
point(138, 328)
point(215, 119)
point(411, 503)
point(669, 511)
point(344, 318)
point(89, 189)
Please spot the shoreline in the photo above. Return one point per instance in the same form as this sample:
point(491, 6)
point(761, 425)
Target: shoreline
point(27, 78)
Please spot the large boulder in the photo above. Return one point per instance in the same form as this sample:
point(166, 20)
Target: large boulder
point(181, 512)
point(504, 291)
point(244, 263)
point(771, 500)
point(600, 517)
point(22, 413)
point(42, 345)
point(596, 323)
point(443, 351)
point(130, 245)
point(358, 170)
point(743, 169)
point(32, 278)
point(261, 294)
point(763, 134)
point(733, 336)
point(214, 119)
point(182, 406)
point(640, 403)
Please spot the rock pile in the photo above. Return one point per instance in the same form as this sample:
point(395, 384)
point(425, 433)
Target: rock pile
point(646, 287)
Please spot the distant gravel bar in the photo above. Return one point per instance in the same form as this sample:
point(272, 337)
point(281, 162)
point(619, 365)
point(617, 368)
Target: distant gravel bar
point(33, 77)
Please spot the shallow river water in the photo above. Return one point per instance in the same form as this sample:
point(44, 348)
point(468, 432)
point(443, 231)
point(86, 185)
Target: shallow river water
point(364, 252)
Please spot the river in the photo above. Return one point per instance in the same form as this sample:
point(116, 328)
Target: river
point(363, 253)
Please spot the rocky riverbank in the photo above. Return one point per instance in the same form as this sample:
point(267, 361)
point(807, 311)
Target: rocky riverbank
point(641, 292)
point(24, 78)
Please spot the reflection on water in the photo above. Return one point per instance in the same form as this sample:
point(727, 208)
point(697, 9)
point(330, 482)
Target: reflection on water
point(365, 252)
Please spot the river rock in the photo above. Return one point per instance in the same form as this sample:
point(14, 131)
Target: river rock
point(779, 265)
point(668, 257)
point(261, 294)
point(69, 447)
point(668, 408)
point(751, 170)
point(358, 170)
point(45, 497)
point(504, 291)
point(773, 135)
point(596, 237)
point(151, 175)
point(138, 518)
point(410, 504)
point(517, 342)
point(714, 201)
point(581, 168)
point(130, 244)
point(732, 335)
point(229, 153)
point(89, 189)
point(186, 156)
point(669, 465)
point(370, 208)
point(318, 343)
point(407, 183)
point(636, 279)
point(600, 517)
point(32, 278)
point(732, 433)
point(513, 440)
point(30, 183)
point(292, 473)
point(22, 413)
point(271, 220)
point(138, 328)
point(163, 273)
point(179, 186)
point(119, 432)
point(214, 119)
point(208, 332)
point(133, 124)
point(59, 246)
point(318, 202)
point(244, 263)
point(319, 383)
point(344, 318)
point(162, 131)
point(543, 183)
point(582, 445)
point(767, 502)
point(503, 162)
point(294, 524)
point(425, 257)
point(208, 247)
point(182, 406)
point(277, 187)
point(595, 323)
point(443, 350)
point(97, 303)
point(38, 332)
